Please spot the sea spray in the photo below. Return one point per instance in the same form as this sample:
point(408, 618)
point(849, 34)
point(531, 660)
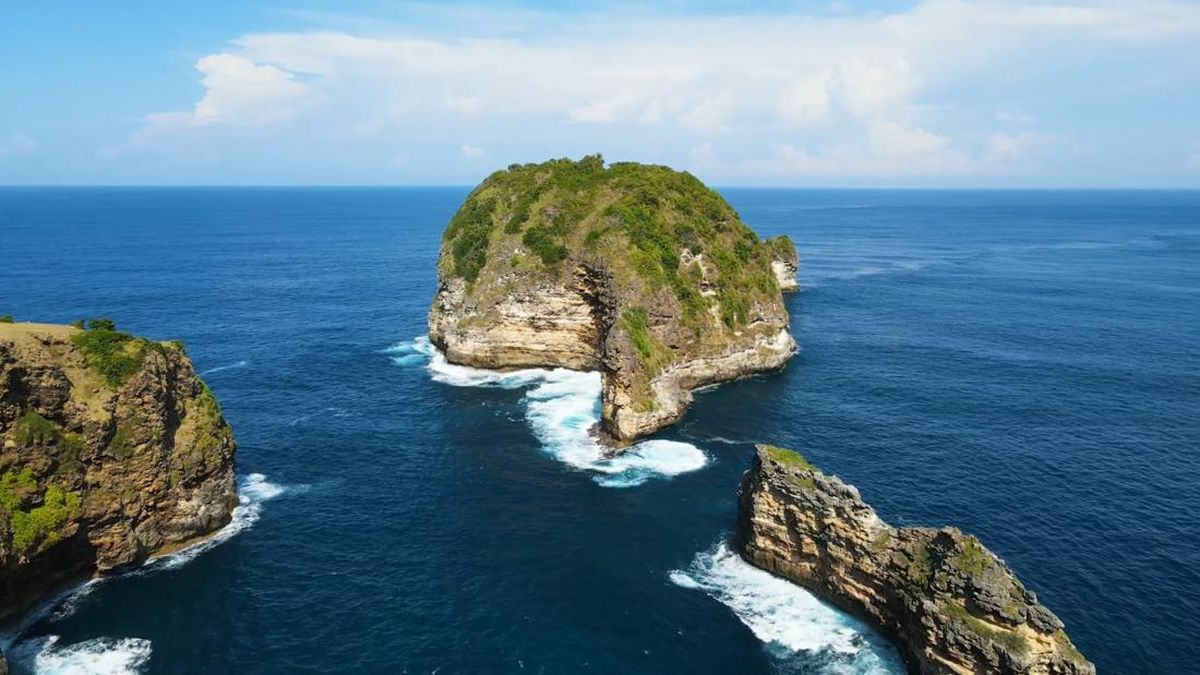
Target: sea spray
point(793, 622)
point(114, 656)
point(561, 408)
point(100, 656)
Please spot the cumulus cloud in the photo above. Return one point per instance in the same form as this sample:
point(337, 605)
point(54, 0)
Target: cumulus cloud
point(799, 94)
point(238, 91)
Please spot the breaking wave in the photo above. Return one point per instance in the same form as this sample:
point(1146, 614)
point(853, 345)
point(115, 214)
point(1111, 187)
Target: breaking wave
point(114, 656)
point(100, 656)
point(793, 622)
point(231, 366)
point(561, 407)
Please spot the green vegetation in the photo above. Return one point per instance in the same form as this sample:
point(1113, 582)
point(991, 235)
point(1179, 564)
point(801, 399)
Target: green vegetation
point(789, 458)
point(636, 322)
point(114, 354)
point(33, 430)
point(973, 560)
point(42, 526)
point(1009, 638)
point(15, 488)
point(6, 318)
point(640, 218)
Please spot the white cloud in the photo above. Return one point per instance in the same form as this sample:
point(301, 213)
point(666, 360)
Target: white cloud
point(1003, 148)
point(808, 100)
point(799, 94)
point(16, 144)
point(1013, 117)
point(238, 91)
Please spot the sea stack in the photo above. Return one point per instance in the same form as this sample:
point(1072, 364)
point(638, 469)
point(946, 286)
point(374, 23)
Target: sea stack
point(949, 604)
point(639, 271)
point(111, 450)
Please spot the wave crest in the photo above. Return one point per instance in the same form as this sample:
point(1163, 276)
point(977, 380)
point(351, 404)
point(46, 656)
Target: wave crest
point(562, 406)
point(785, 615)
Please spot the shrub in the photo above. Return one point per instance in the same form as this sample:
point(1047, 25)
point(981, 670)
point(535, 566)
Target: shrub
point(41, 526)
point(114, 354)
point(6, 318)
point(33, 430)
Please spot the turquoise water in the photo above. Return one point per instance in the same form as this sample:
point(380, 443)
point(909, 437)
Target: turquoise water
point(1022, 365)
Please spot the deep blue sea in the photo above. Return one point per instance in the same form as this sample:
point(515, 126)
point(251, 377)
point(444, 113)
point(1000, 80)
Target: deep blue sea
point(1023, 365)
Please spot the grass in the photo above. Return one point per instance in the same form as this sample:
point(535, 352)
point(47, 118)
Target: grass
point(789, 458)
point(1011, 639)
point(974, 559)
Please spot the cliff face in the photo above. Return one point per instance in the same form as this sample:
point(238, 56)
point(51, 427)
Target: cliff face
point(111, 450)
point(950, 604)
point(638, 271)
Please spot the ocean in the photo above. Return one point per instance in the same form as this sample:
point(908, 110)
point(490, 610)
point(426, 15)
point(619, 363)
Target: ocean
point(1022, 365)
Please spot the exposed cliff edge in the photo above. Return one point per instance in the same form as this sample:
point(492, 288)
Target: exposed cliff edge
point(950, 605)
point(639, 271)
point(111, 450)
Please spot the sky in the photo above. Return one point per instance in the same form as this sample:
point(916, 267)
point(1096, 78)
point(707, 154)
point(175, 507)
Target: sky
point(927, 93)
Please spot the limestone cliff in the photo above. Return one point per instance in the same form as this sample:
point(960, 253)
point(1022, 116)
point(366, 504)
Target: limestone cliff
point(951, 605)
point(111, 450)
point(638, 271)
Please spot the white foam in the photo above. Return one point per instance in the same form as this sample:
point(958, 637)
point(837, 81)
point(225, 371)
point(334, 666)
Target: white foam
point(253, 490)
point(100, 656)
point(561, 407)
point(783, 614)
point(210, 371)
point(127, 655)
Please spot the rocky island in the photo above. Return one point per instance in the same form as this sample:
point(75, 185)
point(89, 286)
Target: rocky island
point(949, 604)
point(638, 271)
point(111, 450)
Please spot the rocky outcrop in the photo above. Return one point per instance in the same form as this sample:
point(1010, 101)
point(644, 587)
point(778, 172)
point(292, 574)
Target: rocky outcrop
point(950, 605)
point(111, 450)
point(638, 271)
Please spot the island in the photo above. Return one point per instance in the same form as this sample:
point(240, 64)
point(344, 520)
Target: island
point(638, 271)
point(949, 604)
point(112, 450)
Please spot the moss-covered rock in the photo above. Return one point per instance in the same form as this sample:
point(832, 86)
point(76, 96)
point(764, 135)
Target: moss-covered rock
point(111, 449)
point(951, 605)
point(640, 271)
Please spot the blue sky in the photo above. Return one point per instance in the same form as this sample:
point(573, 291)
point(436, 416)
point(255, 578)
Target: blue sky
point(932, 93)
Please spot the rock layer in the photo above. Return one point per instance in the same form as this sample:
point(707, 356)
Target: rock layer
point(950, 605)
point(111, 450)
point(638, 271)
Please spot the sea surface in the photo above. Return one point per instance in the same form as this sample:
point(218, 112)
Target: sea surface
point(1023, 365)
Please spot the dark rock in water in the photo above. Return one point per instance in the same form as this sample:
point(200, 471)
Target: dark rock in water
point(638, 271)
point(111, 450)
point(950, 604)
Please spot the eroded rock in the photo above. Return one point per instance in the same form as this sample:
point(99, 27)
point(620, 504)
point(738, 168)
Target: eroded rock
point(950, 605)
point(638, 271)
point(111, 450)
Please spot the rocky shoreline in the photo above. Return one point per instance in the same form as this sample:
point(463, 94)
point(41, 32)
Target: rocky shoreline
point(112, 451)
point(637, 271)
point(948, 603)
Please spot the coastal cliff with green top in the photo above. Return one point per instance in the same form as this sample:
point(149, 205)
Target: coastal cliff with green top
point(111, 450)
point(639, 271)
point(951, 606)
